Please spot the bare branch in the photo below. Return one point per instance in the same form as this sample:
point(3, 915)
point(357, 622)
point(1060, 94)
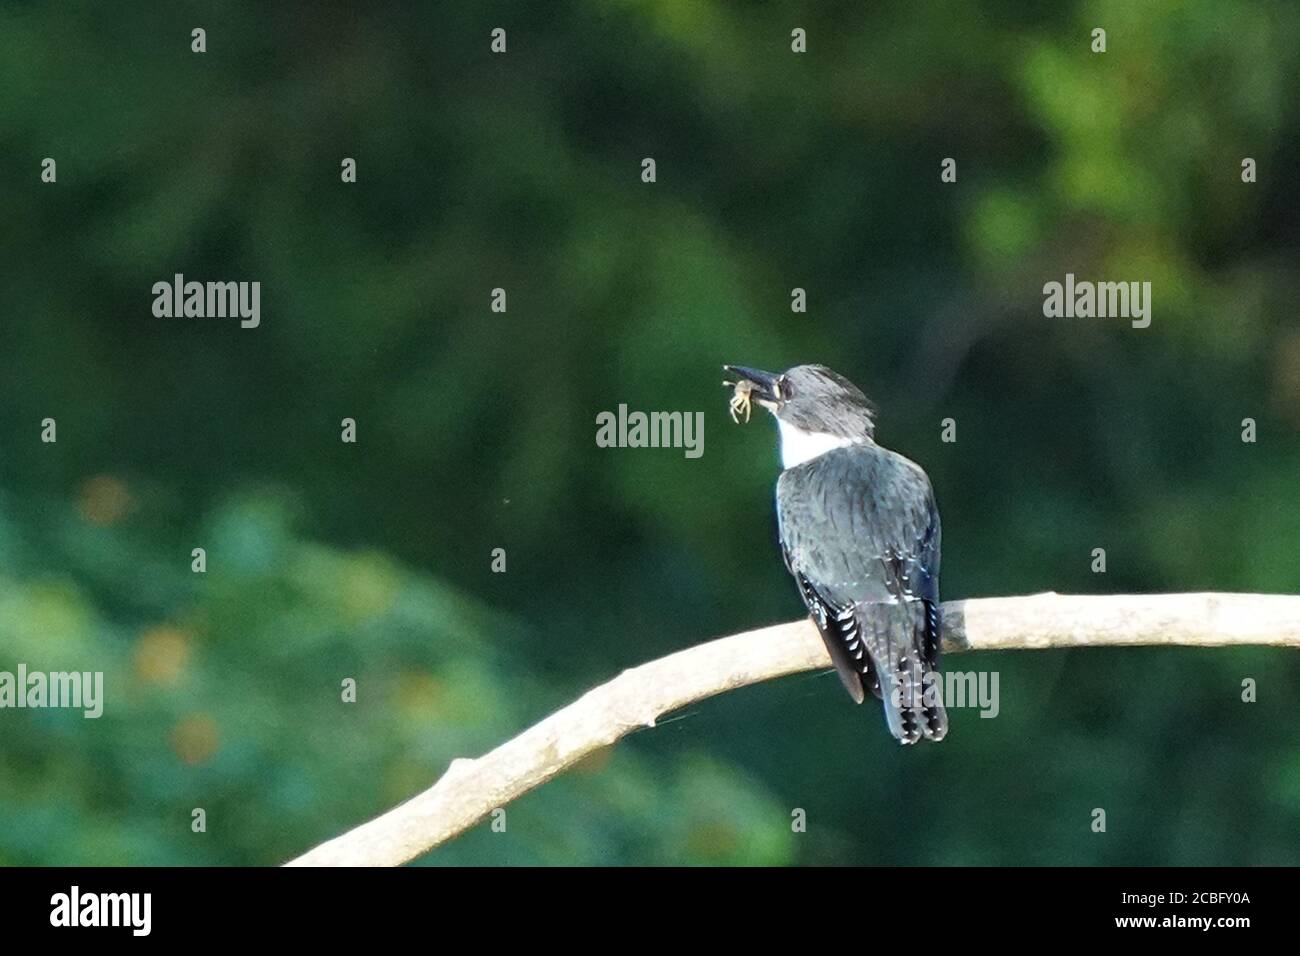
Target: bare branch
point(472, 789)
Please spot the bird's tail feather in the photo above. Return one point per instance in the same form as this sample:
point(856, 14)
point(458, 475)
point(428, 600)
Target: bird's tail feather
point(934, 718)
point(900, 638)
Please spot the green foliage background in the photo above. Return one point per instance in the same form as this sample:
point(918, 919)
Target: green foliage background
point(476, 430)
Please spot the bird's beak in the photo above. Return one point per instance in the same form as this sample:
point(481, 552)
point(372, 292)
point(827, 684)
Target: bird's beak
point(765, 388)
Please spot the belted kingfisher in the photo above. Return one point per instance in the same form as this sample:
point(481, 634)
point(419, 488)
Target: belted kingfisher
point(860, 533)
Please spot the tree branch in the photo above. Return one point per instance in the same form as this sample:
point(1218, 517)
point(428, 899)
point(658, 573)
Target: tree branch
point(471, 789)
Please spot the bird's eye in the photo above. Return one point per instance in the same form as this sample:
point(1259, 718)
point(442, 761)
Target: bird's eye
point(784, 391)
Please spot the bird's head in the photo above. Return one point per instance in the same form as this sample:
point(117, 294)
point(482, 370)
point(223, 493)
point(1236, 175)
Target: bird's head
point(815, 409)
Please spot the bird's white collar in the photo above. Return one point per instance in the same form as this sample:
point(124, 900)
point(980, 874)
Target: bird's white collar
point(799, 446)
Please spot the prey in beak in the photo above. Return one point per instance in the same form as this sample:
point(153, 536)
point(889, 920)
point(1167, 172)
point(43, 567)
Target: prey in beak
point(741, 399)
point(751, 385)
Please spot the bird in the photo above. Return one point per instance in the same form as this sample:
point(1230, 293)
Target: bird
point(859, 532)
